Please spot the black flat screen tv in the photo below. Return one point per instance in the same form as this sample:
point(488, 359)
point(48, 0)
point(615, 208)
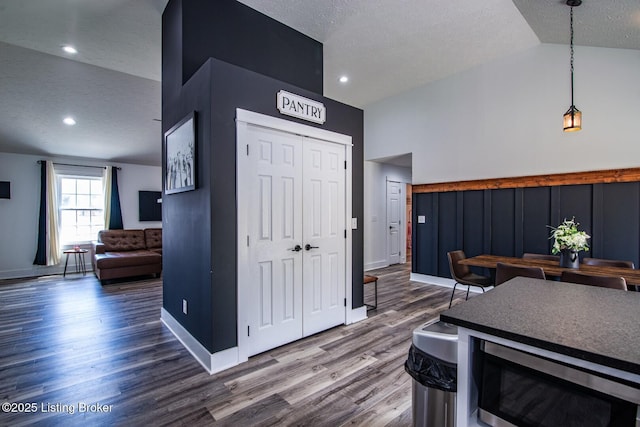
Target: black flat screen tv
point(5, 190)
point(149, 207)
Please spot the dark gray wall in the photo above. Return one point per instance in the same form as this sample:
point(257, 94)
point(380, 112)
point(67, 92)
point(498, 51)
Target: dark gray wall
point(186, 219)
point(512, 221)
point(200, 253)
point(235, 33)
point(234, 87)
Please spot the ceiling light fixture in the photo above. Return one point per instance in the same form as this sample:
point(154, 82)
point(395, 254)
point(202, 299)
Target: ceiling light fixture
point(573, 116)
point(344, 79)
point(69, 121)
point(70, 49)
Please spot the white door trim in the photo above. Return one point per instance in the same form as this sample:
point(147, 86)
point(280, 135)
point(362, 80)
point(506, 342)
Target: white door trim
point(293, 127)
point(243, 119)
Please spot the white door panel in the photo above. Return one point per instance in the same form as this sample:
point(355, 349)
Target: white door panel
point(296, 197)
point(275, 227)
point(394, 198)
point(323, 230)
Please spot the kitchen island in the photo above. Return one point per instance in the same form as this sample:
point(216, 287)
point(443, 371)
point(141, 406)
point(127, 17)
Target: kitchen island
point(591, 328)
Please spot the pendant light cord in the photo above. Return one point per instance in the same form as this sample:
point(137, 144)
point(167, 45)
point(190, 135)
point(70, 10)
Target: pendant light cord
point(571, 50)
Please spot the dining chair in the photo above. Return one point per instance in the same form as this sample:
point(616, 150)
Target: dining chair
point(462, 275)
point(587, 279)
point(608, 262)
point(506, 272)
point(528, 255)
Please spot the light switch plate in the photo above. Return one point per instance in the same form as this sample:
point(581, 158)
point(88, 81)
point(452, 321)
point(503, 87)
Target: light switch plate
point(422, 219)
point(354, 223)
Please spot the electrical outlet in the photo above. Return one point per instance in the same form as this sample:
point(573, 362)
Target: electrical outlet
point(184, 306)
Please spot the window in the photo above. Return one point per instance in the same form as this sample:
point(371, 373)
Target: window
point(81, 208)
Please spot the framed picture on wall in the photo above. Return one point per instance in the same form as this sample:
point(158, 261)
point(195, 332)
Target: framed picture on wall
point(180, 156)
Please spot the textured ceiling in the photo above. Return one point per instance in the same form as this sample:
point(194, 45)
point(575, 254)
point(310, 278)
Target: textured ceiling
point(390, 46)
point(112, 86)
point(115, 111)
point(121, 35)
point(599, 23)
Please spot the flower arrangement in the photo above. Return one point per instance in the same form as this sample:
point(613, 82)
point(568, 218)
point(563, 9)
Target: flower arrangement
point(567, 236)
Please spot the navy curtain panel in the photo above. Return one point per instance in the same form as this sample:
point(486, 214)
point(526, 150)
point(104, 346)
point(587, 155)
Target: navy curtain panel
point(115, 221)
point(41, 254)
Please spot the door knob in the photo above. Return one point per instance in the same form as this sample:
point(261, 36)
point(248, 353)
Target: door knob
point(309, 247)
point(296, 248)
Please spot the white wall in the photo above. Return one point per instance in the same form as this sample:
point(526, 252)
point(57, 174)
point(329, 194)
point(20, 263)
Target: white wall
point(375, 226)
point(19, 215)
point(504, 118)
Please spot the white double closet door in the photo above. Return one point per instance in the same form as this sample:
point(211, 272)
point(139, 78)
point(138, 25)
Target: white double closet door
point(294, 282)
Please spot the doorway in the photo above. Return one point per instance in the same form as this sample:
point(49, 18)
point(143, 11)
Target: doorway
point(395, 235)
point(293, 251)
point(399, 211)
point(386, 227)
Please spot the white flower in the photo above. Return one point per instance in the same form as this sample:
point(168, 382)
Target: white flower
point(567, 236)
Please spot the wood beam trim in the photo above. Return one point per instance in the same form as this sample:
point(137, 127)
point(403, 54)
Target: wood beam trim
point(572, 178)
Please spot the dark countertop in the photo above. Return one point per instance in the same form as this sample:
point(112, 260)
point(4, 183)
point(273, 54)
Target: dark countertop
point(595, 324)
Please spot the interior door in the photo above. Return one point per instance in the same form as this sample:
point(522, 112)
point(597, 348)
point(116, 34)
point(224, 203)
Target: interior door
point(296, 246)
point(275, 229)
point(394, 236)
point(324, 235)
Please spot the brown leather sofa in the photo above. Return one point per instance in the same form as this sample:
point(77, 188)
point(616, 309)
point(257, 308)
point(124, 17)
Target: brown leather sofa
point(127, 253)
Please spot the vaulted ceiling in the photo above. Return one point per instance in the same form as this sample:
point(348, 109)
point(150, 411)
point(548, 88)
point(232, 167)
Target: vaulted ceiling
point(112, 85)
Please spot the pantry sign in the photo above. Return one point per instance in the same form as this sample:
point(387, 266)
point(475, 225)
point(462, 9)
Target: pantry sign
point(301, 107)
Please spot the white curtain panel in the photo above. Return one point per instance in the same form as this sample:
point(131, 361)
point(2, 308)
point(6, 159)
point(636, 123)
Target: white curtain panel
point(53, 243)
point(106, 190)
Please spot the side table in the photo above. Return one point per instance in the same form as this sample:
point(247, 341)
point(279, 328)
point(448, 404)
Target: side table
point(78, 255)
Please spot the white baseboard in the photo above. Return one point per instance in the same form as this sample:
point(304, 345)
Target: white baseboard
point(440, 281)
point(42, 270)
point(213, 363)
point(377, 264)
point(357, 315)
point(29, 272)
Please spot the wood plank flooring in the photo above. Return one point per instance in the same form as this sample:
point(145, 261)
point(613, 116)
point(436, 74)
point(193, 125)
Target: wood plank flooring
point(69, 343)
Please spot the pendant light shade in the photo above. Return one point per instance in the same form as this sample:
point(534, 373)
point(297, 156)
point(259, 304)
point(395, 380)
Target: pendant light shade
point(573, 116)
point(572, 119)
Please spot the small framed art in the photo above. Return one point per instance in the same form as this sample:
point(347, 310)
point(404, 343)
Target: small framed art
point(180, 156)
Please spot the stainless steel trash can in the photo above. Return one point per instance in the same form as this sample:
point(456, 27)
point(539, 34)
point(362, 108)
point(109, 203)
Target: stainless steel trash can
point(434, 394)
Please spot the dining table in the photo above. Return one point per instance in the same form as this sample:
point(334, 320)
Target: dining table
point(553, 269)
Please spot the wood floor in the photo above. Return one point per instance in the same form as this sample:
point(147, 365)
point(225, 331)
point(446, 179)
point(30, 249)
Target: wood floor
point(69, 343)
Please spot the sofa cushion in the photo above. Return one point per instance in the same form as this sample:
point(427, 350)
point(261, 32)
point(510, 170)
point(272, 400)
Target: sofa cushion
point(122, 240)
point(127, 259)
point(153, 238)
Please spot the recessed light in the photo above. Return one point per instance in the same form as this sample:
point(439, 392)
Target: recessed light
point(344, 79)
point(70, 49)
point(69, 121)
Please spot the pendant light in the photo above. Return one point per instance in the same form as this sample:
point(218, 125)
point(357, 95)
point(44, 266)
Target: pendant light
point(573, 116)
